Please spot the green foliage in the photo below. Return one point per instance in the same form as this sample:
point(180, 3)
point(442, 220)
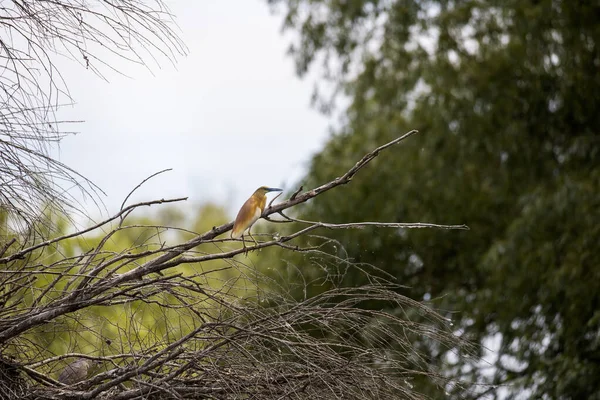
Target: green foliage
point(506, 97)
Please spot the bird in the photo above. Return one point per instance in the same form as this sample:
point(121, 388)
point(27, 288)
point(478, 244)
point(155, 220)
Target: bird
point(75, 371)
point(251, 212)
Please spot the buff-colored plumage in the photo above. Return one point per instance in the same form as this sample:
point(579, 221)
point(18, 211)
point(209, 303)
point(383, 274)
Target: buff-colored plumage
point(251, 211)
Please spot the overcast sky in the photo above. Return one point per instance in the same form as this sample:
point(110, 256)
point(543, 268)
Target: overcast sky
point(229, 117)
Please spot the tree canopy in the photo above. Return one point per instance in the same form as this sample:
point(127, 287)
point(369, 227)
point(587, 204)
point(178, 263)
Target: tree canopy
point(505, 94)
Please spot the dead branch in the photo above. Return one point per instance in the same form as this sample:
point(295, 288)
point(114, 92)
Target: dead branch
point(222, 327)
point(96, 34)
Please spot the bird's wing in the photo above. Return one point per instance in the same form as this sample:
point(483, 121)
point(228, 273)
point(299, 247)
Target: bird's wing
point(248, 215)
point(69, 374)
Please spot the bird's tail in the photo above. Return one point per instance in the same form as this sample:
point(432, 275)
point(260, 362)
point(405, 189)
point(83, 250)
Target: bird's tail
point(236, 233)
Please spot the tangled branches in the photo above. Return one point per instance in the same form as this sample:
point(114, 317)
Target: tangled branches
point(33, 33)
point(211, 324)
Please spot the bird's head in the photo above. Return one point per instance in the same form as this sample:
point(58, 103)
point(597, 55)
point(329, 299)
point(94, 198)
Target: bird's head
point(261, 191)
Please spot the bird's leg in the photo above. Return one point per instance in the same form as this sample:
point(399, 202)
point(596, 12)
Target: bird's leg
point(250, 233)
point(244, 244)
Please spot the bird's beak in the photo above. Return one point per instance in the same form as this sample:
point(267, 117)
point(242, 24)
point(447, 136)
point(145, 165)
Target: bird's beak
point(274, 190)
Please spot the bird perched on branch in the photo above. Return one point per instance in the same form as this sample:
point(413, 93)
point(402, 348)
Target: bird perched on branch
point(251, 212)
point(75, 372)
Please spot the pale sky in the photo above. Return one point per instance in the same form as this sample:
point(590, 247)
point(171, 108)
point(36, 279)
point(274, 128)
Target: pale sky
point(229, 117)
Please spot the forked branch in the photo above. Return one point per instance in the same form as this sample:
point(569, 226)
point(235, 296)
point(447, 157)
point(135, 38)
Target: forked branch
point(244, 336)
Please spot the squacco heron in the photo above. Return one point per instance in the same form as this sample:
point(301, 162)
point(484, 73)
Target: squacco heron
point(251, 212)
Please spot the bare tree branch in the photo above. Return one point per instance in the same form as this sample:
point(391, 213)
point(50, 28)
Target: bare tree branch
point(98, 34)
point(222, 327)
